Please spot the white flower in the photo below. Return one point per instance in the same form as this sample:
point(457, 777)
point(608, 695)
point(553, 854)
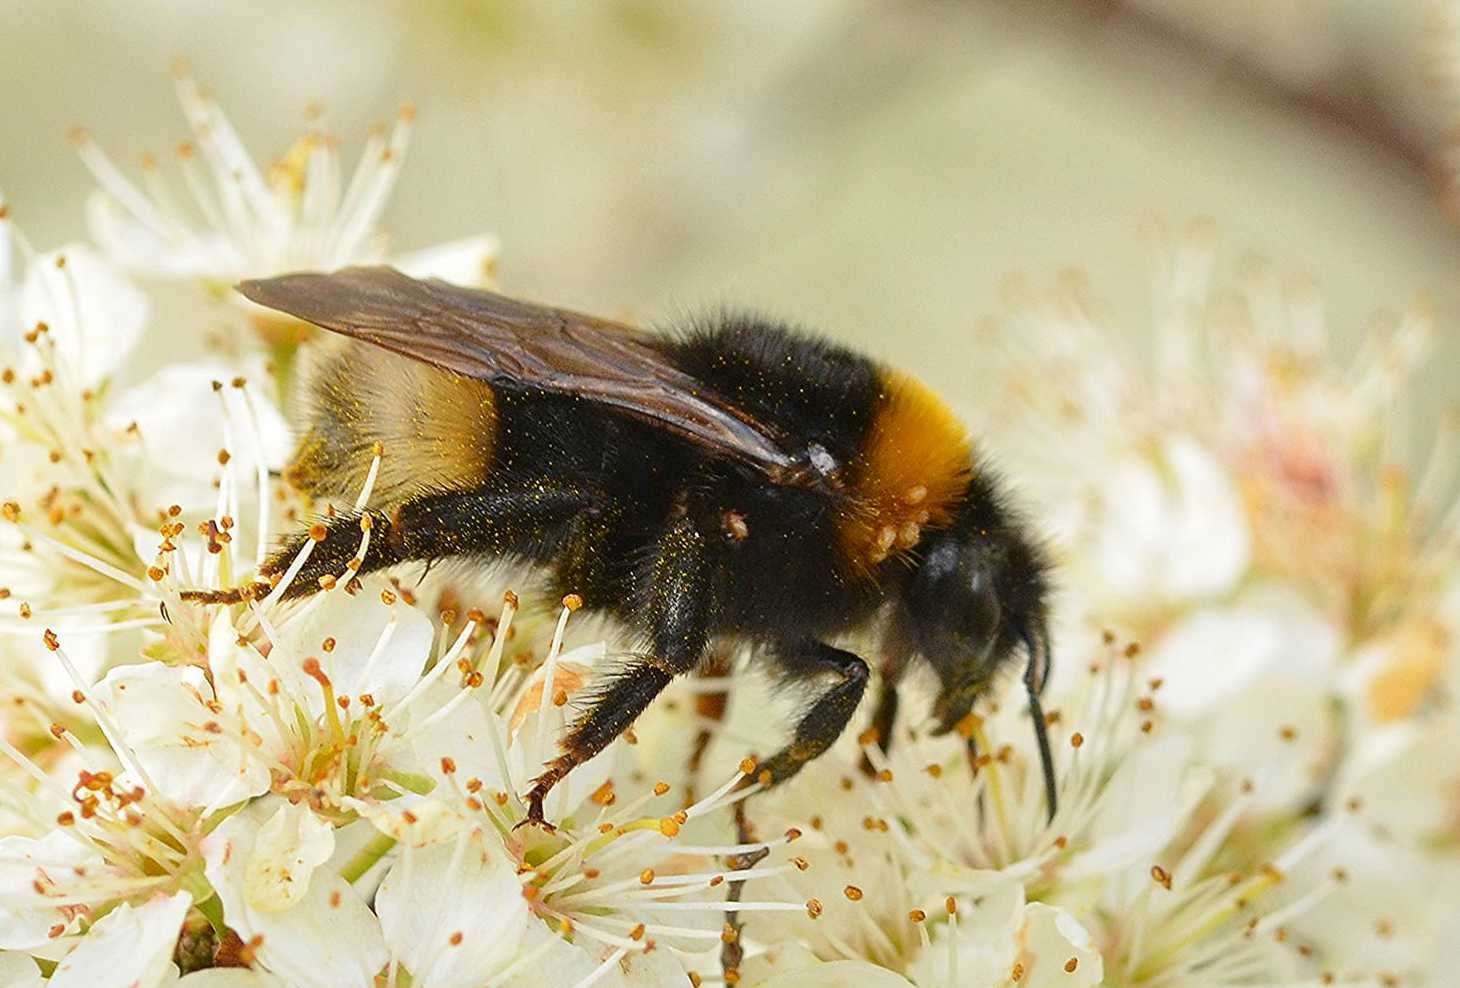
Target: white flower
point(1241, 446)
point(242, 220)
point(90, 475)
point(929, 837)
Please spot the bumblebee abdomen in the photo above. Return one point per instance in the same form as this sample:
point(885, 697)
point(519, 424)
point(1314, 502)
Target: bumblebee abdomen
point(434, 429)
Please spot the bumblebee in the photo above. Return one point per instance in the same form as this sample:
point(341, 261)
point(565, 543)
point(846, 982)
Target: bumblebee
point(733, 482)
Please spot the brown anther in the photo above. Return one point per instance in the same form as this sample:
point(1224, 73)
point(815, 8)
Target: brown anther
point(717, 881)
point(660, 788)
point(1071, 965)
point(1077, 739)
point(792, 834)
point(1161, 876)
point(729, 934)
point(813, 908)
point(801, 863)
point(52, 642)
point(560, 697)
point(572, 602)
point(318, 532)
point(950, 906)
point(1288, 733)
point(10, 510)
point(327, 582)
point(335, 899)
point(917, 916)
point(747, 766)
point(853, 893)
point(448, 765)
point(1016, 973)
point(646, 877)
point(668, 826)
point(637, 933)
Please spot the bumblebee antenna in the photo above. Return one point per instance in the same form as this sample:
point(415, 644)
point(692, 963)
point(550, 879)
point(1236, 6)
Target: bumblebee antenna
point(1036, 674)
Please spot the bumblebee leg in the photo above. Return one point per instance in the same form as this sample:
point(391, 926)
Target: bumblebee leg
point(675, 585)
point(827, 717)
point(482, 521)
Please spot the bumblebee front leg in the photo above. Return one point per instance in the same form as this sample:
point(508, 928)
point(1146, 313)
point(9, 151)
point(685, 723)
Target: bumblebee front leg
point(827, 717)
point(676, 590)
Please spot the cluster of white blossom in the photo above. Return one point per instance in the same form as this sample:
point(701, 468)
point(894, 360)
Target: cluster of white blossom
point(1258, 640)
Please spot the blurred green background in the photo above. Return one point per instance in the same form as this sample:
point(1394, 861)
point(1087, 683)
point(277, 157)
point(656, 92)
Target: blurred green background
point(872, 169)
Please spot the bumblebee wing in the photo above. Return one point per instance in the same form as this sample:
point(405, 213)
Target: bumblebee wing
point(498, 339)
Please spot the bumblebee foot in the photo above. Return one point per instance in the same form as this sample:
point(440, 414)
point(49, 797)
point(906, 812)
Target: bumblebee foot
point(541, 786)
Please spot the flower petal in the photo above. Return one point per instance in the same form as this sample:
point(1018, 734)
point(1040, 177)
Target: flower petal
point(127, 948)
point(377, 648)
point(287, 848)
point(469, 261)
point(431, 907)
point(1057, 950)
point(19, 971)
point(163, 715)
point(837, 974)
point(31, 870)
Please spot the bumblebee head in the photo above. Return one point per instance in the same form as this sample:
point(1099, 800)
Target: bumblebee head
point(976, 600)
point(979, 596)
